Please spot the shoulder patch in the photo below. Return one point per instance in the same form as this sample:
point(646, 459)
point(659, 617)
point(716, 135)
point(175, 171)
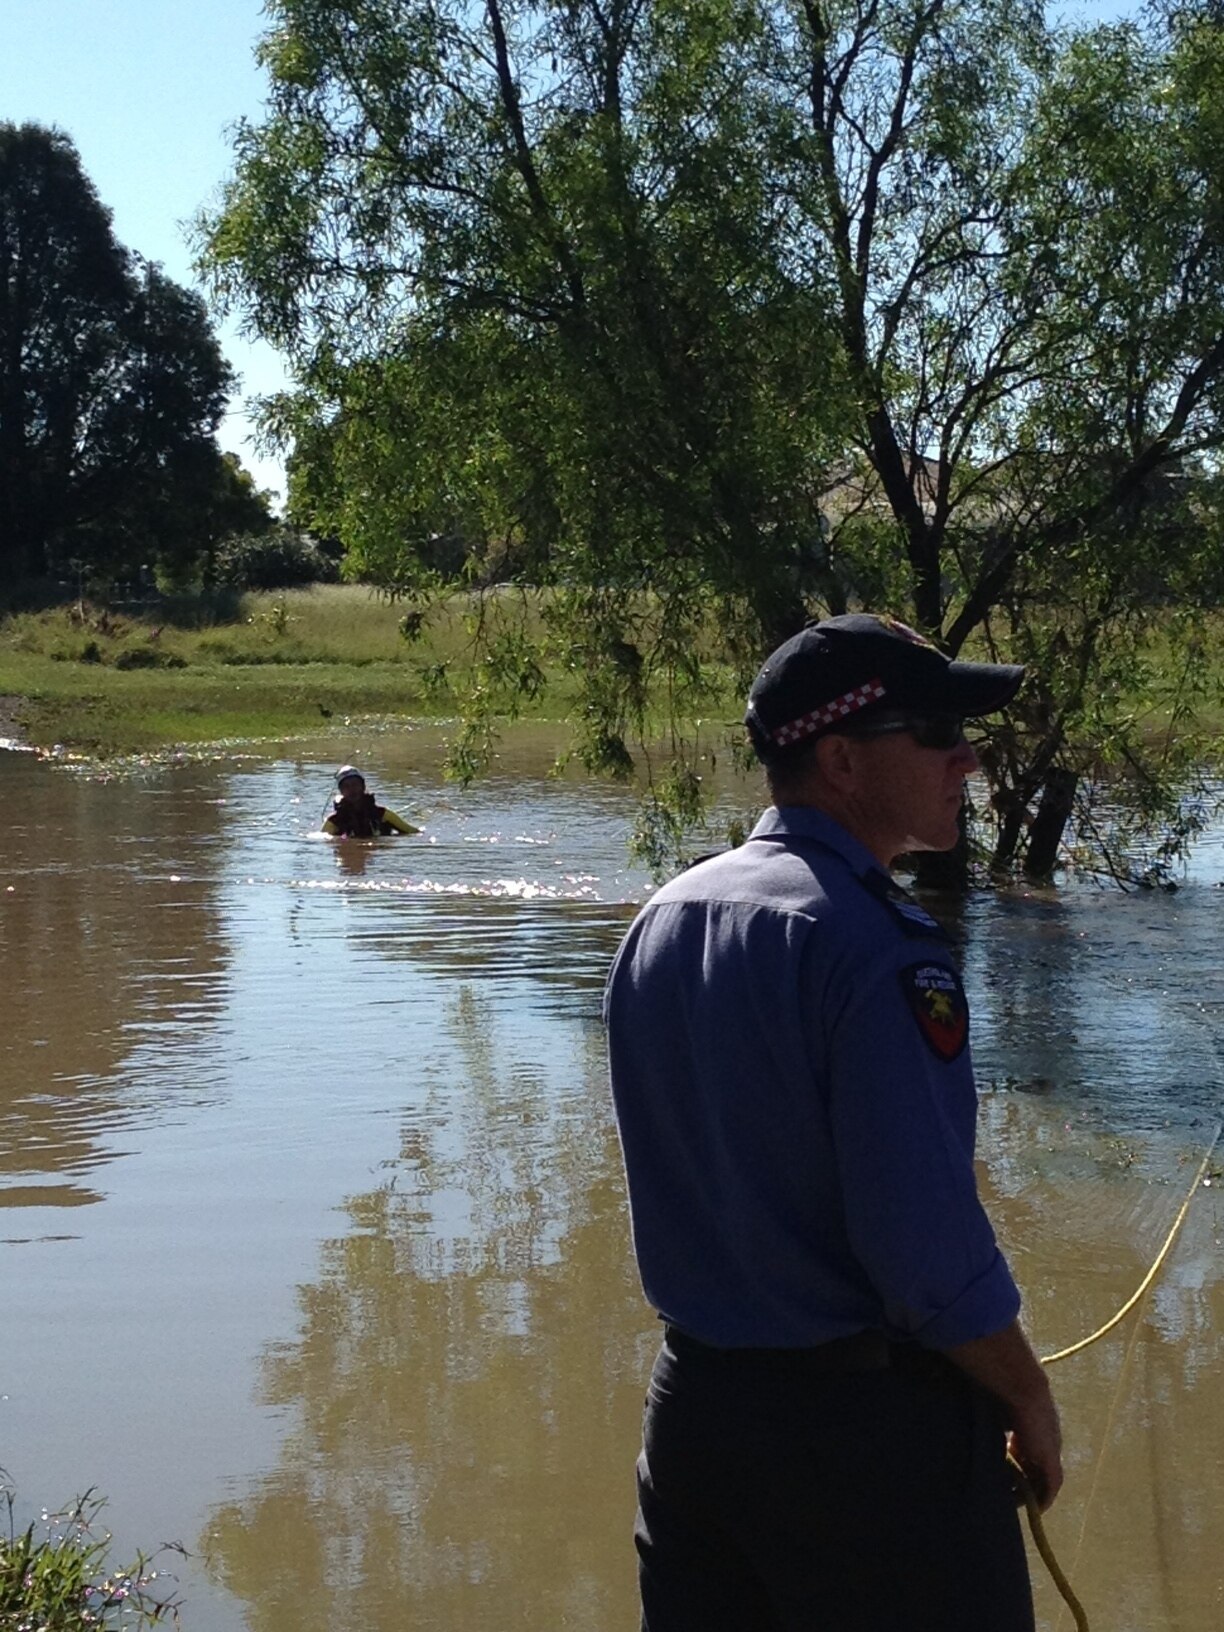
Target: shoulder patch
point(910, 915)
point(937, 1000)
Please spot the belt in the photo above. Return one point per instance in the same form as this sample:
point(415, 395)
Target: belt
point(860, 1351)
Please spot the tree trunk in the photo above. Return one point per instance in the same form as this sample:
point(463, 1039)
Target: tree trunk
point(1010, 829)
point(1057, 800)
point(782, 615)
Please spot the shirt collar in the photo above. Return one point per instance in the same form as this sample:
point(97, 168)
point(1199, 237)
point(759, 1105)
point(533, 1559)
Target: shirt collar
point(806, 822)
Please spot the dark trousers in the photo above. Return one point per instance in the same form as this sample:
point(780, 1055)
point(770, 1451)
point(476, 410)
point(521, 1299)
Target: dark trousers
point(779, 1495)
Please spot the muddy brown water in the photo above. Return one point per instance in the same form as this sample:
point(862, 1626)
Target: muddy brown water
point(313, 1248)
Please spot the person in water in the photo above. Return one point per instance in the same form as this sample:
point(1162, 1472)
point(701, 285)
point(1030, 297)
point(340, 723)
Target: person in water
point(354, 813)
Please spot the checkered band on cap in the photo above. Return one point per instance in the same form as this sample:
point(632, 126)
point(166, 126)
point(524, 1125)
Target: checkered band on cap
point(807, 725)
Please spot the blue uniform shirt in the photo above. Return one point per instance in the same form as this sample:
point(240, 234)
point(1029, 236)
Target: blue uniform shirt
point(788, 1046)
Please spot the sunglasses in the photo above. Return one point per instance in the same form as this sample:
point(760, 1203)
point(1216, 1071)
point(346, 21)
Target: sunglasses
point(943, 731)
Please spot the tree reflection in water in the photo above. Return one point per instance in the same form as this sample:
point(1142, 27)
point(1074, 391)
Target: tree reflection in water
point(112, 935)
point(467, 1381)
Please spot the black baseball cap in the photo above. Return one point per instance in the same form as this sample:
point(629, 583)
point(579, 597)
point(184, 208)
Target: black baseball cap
point(859, 666)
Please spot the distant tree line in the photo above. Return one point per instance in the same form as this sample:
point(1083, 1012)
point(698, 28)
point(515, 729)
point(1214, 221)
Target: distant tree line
point(112, 386)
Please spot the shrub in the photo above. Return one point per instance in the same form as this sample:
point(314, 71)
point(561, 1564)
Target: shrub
point(56, 1578)
point(276, 560)
point(148, 657)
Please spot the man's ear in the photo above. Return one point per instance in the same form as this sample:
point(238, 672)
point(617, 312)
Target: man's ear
point(835, 761)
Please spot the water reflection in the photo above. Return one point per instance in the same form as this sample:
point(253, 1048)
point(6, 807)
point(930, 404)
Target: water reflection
point(353, 856)
point(554, 952)
point(467, 1378)
point(111, 939)
point(1116, 1001)
point(1082, 1215)
point(371, 1217)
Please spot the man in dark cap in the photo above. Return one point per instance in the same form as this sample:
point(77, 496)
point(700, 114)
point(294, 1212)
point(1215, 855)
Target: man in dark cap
point(842, 1369)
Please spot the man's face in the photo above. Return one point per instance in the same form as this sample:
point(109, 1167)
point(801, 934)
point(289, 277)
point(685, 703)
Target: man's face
point(907, 797)
point(352, 788)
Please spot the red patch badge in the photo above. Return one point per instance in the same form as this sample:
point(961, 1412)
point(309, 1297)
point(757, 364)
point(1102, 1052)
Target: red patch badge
point(935, 994)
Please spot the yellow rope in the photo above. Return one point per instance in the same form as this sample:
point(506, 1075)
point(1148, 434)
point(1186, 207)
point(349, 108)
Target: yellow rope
point(1115, 1403)
point(1041, 1541)
point(1049, 1359)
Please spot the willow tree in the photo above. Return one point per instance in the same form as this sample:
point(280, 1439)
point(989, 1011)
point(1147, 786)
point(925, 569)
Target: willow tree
point(528, 265)
point(1027, 230)
point(705, 315)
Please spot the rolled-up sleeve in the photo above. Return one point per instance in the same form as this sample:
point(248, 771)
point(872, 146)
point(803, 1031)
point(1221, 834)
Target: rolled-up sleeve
point(902, 1128)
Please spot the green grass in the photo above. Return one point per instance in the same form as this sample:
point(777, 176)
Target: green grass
point(284, 663)
point(1197, 668)
point(55, 1577)
point(287, 662)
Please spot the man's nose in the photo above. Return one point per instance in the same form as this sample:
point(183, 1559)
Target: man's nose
point(967, 760)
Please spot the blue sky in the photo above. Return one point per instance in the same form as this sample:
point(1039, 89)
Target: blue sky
point(148, 89)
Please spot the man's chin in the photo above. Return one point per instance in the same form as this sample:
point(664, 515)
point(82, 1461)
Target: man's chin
point(943, 842)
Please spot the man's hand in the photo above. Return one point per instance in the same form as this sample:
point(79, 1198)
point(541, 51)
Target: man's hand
point(1005, 1365)
point(1035, 1441)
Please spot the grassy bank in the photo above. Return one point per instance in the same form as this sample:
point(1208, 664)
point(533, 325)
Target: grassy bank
point(269, 664)
point(277, 664)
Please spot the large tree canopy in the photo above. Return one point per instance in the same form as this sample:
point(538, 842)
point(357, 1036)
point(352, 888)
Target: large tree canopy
point(709, 314)
point(111, 383)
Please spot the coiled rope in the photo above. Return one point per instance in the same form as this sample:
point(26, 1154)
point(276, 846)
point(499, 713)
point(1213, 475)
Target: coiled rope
point(1040, 1539)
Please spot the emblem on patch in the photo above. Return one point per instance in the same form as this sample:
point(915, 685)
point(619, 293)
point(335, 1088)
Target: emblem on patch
point(937, 998)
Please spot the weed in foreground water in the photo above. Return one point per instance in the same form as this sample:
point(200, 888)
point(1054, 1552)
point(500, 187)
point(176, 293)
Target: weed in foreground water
point(54, 1577)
